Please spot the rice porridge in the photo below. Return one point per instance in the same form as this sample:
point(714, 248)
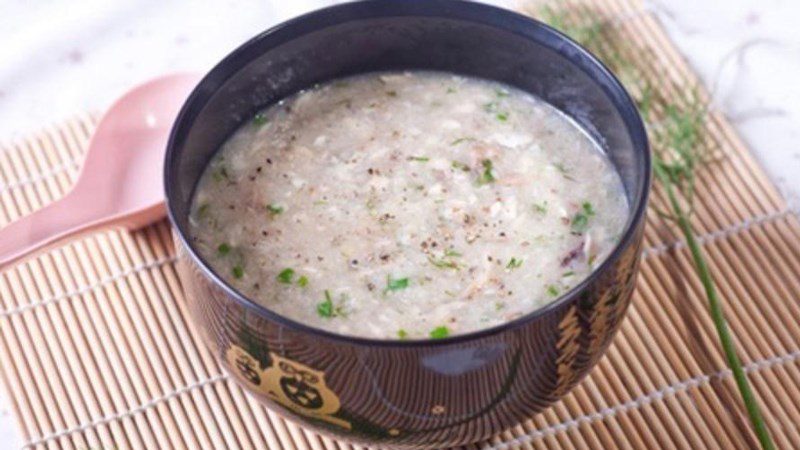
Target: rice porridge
point(407, 205)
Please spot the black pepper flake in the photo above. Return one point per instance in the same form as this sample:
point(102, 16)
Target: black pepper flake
point(385, 257)
point(231, 207)
point(371, 286)
point(259, 168)
point(269, 161)
point(264, 233)
point(502, 234)
point(320, 258)
point(370, 171)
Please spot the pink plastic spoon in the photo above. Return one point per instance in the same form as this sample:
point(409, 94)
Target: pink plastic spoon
point(120, 184)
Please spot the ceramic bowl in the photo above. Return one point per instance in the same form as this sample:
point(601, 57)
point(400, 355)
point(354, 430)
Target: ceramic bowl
point(416, 393)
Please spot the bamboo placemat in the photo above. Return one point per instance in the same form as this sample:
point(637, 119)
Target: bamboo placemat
point(97, 352)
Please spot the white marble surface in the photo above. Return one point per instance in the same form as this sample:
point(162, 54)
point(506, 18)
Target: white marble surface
point(61, 56)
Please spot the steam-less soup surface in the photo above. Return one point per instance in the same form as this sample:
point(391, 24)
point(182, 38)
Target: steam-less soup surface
point(407, 205)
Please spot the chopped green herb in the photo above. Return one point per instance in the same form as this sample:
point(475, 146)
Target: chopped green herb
point(552, 290)
point(237, 271)
point(564, 171)
point(325, 308)
point(451, 90)
point(402, 334)
point(567, 274)
point(395, 284)
point(451, 252)
point(449, 294)
point(501, 93)
point(302, 281)
point(540, 207)
point(487, 176)
point(220, 174)
point(580, 221)
point(490, 107)
point(514, 263)
point(499, 305)
point(320, 202)
point(224, 249)
point(419, 158)
point(286, 275)
point(274, 209)
point(259, 119)
point(460, 166)
point(502, 116)
point(443, 263)
point(462, 139)
point(588, 208)
point(391, 93)
point(440, 332)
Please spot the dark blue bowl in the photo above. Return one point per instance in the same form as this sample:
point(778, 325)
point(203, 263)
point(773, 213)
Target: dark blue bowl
point(409, 393)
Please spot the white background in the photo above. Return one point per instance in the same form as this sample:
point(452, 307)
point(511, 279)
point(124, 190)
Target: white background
point(61, 56)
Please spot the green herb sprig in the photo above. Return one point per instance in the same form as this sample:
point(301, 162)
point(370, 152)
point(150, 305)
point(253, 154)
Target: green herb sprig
point(677, 176)
point(487, 176)
point(327, 309)
point(395, 284)
point(440, 332)
point(678, 155)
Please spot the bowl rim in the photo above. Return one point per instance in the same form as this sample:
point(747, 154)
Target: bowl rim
point(464, 10)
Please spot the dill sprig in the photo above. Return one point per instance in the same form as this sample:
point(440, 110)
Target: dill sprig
point(676, 174)
point(678, 155)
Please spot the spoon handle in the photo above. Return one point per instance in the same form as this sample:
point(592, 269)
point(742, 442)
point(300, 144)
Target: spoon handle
point(47, 227)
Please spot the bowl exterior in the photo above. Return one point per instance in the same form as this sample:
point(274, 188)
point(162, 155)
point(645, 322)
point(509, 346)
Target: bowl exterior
point(413, 395)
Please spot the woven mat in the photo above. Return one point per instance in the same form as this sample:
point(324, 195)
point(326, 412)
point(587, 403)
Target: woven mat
point(96, 350)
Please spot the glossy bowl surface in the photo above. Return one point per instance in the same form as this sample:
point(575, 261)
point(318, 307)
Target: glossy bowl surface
point(409, 393)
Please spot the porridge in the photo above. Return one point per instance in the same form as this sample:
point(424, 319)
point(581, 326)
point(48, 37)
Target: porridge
point(407, 205)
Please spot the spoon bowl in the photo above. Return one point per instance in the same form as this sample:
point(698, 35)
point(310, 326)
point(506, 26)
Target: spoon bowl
point(120, 183)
